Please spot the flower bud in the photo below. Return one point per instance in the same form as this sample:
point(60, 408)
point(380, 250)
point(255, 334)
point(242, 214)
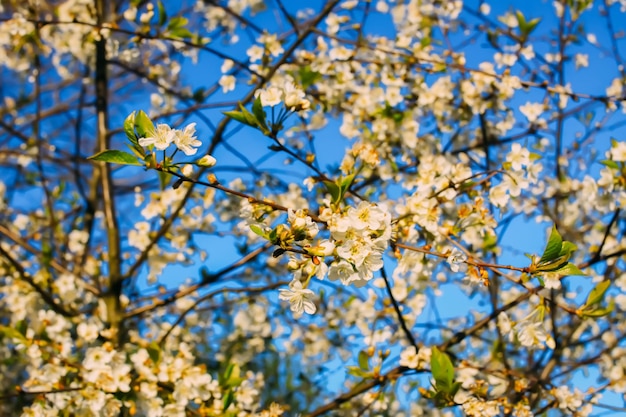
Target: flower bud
point(206, 161)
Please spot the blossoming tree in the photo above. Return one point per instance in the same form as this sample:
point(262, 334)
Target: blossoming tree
point(249, 208)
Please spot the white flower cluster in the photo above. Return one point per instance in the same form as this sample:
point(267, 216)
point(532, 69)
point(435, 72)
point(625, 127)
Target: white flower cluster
point(523, 171)
point(291, 95)
point(530, 330)
point(163, 136)
point(361, 235)
point(415, 359)
point(12, 31)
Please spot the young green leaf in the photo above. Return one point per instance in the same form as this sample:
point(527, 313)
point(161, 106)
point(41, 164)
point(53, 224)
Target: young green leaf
point(567, 248)
point(531, 25)
point(182, 33)
point(236, 115)
point(250, 118)
point(521, 20)
point(442, 370)
point(334, 191)
point(257, 230)
point(569, 269)
point(552, 265)
point(116, 157)
point(307, 76)
point(162, 13)
point(154, 351)
point(364, 360)
point(553, 248)
point(12, 333)
point(143, 124)
point(597, 293)
point(346, 183)
point(225, 376)
point(22, 327)
point(228, 400)
point(273, 234)
point(177, 22)
point(138, 151)
point(358, 372)
point(599, 312)
point(129, 129)
point(610, 164)
point(259, 113)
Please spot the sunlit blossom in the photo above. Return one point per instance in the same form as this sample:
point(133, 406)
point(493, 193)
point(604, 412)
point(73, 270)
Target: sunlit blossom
point(161, 137)
point(186, 141)
point(300, 299)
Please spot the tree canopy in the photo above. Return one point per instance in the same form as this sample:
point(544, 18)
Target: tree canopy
point(337, 207)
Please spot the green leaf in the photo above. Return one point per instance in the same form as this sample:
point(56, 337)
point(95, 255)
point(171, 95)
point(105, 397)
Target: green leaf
point(364, 360)
point(139, 152)
point(532, 25)
point(250, 118)
point(234, 376)
point(182, 33)
point(148, 160)
point(567, 249)
point(552, 265)
point(177, 22)
point(346, 183)
point(22, 327)
point(259, 113)
point(569, 269)
point(162, 13)
point(553, 248)
point(236, 115)
point(521, 20)
point(244, 116)
point(46, 252)
point(333, 190)
point(394, 166)
point(129, 128)
point(358, 372)
point(116, 157)
point(154, 351)
point(225, 376)
point(455, 388)
point(307, 76)
point(228, 399)
point(597, 293)
point(12, 333)
point(143, 124)
point(273, 234)
point(610, 164)
point(442, 370)
point(599, 312)
point(258, 230)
